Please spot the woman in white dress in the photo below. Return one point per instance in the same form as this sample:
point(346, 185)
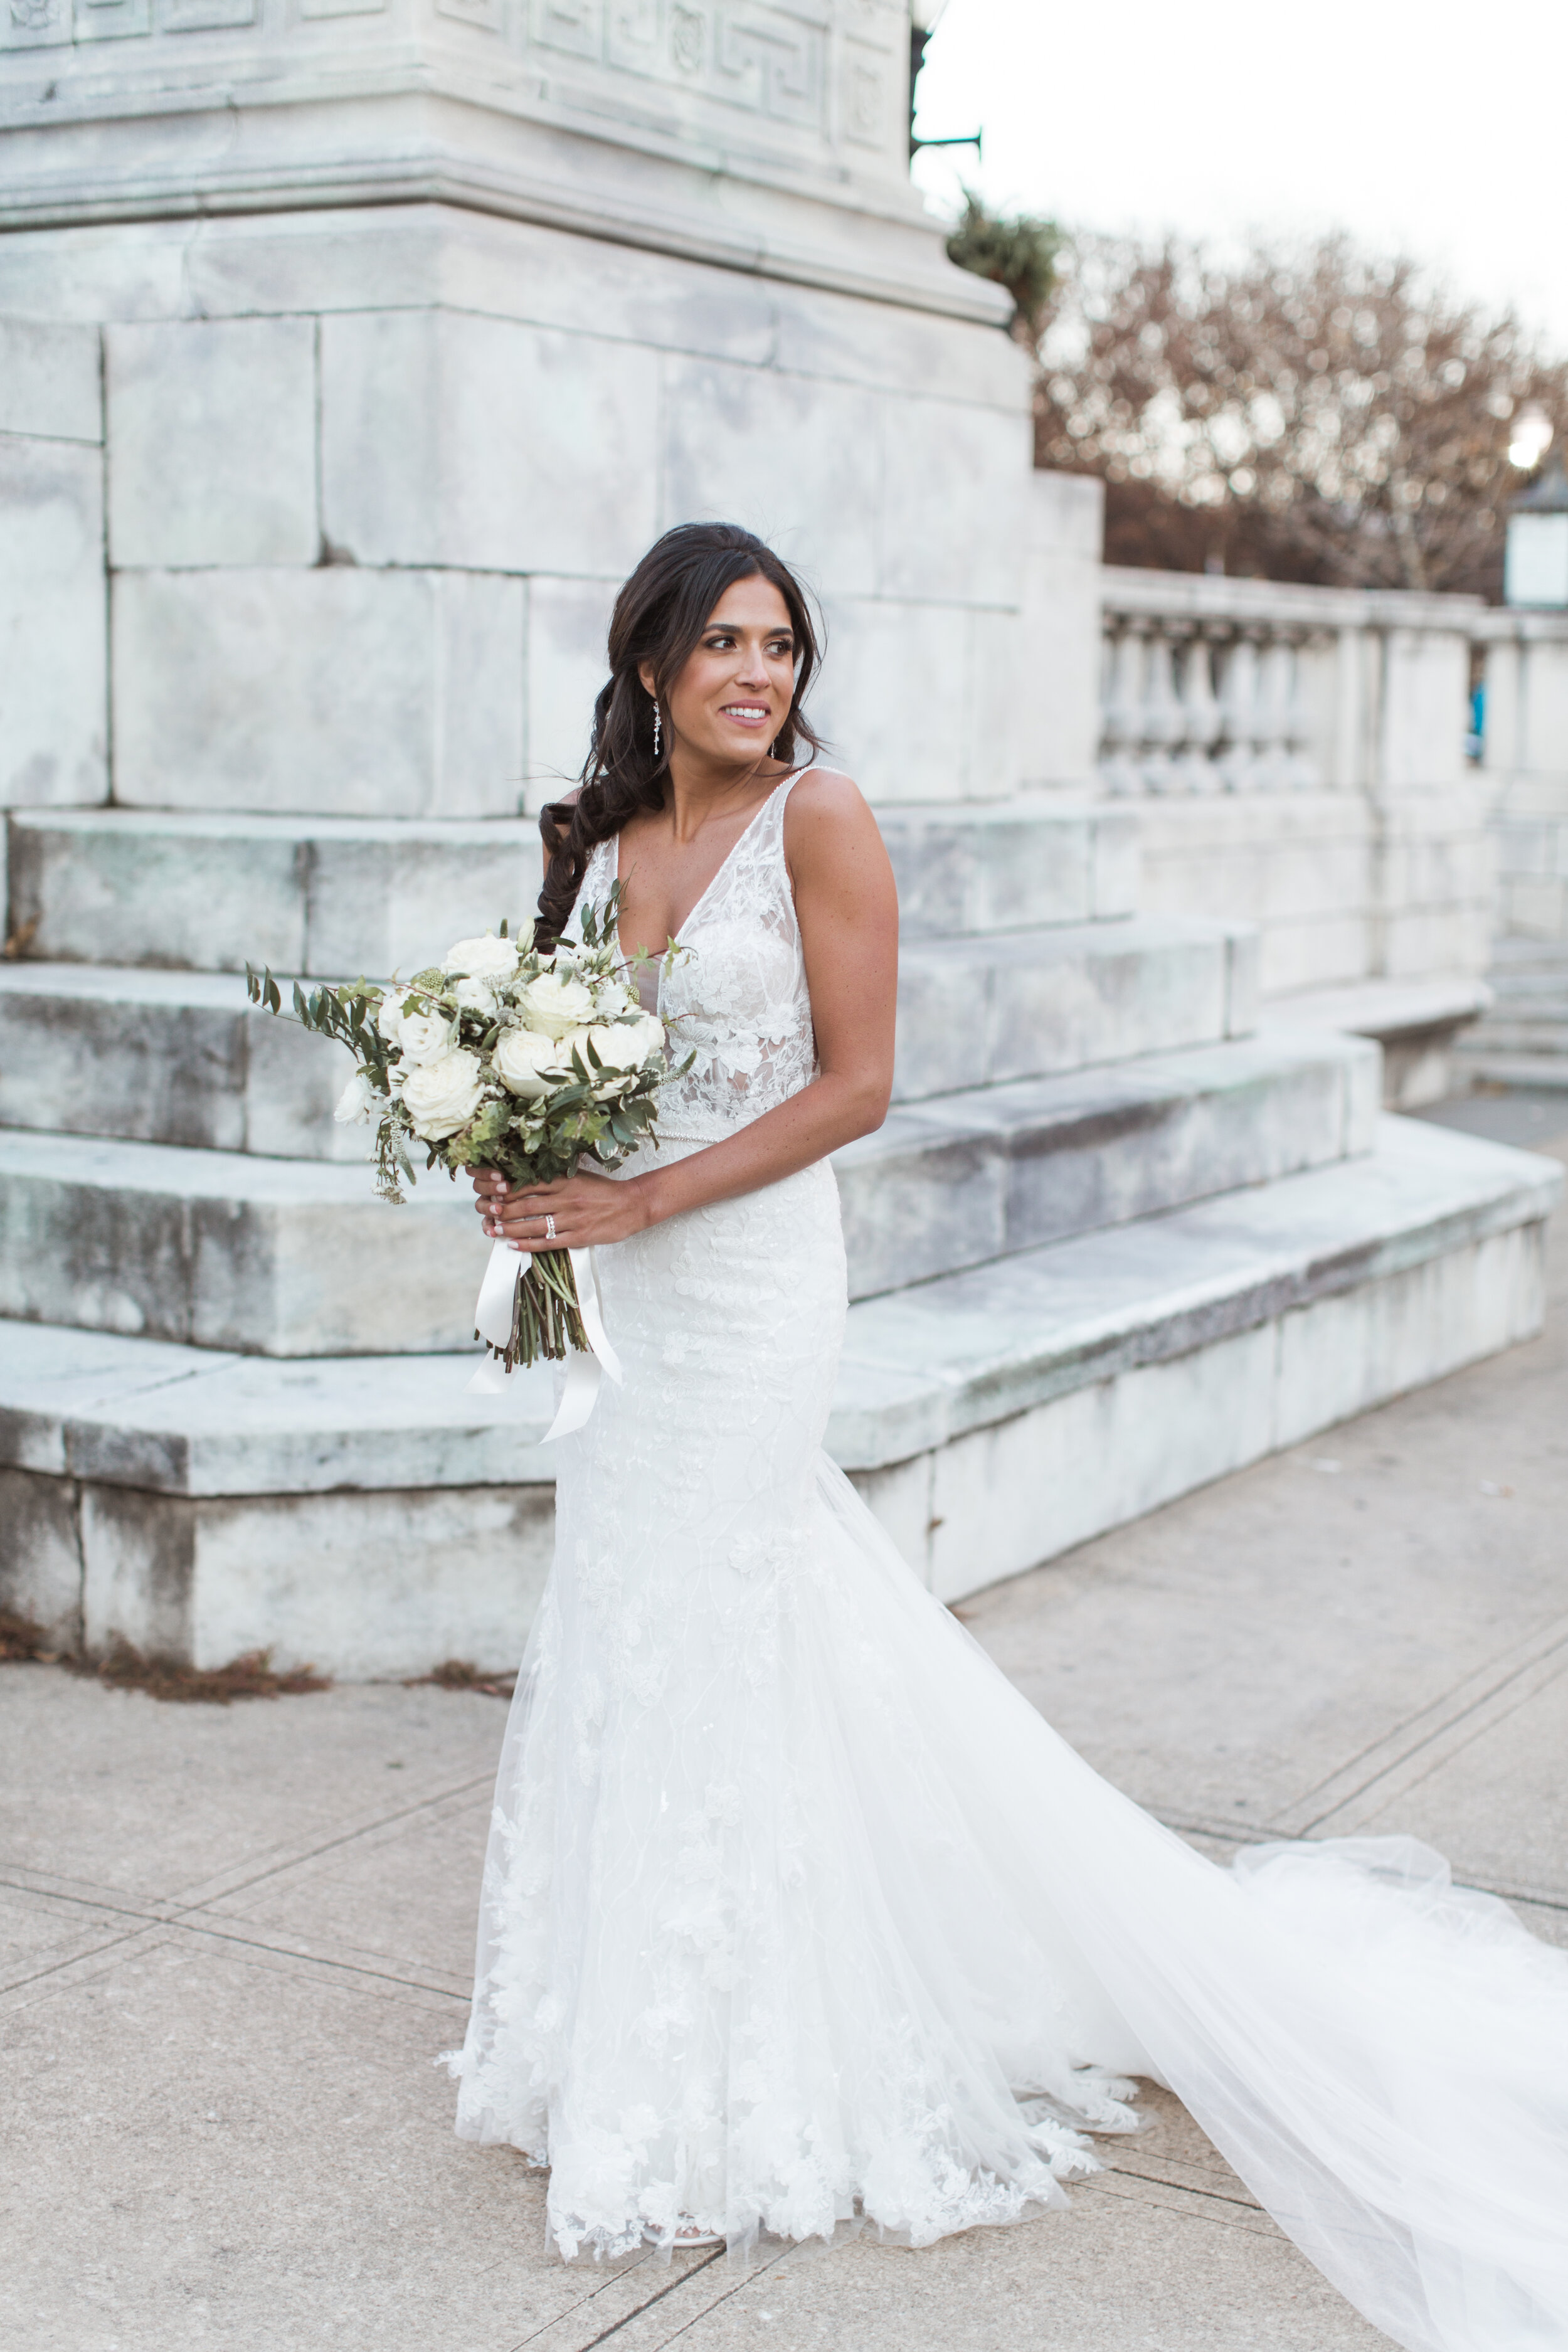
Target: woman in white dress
point(796, 1916)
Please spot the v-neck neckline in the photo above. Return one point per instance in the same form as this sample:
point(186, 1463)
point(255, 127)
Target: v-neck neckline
point(712, 882)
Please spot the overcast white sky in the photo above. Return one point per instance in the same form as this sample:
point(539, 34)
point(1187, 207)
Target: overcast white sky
point(1411, 122)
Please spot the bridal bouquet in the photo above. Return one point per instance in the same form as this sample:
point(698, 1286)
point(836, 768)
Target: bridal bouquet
point(501, 1058)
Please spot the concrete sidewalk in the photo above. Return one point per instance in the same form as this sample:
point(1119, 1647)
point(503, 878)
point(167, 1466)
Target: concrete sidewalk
point(236, 1939)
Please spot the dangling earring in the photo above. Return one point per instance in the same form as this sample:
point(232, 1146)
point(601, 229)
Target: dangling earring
point(655, 734)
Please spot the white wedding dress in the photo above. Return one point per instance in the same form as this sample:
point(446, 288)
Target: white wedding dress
point(796, 1915)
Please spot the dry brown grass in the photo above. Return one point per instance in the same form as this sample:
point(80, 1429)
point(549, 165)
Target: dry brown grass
point(462, 1675)
point(125, 1668)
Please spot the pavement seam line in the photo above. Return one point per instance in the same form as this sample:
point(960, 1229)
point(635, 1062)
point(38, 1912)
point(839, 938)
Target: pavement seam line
point(760, 2271)
point(331, 1845)
point(1452, 1708)
point(192, 1922)
point(1471, 1723)
point(627, 2317)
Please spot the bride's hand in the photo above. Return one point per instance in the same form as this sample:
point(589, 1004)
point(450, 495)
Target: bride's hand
point(584, 1211)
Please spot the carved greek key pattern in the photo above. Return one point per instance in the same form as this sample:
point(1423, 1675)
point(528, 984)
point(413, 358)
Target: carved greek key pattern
point(772, 60)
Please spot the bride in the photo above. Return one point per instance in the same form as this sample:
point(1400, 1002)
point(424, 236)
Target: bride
point(796, 1916)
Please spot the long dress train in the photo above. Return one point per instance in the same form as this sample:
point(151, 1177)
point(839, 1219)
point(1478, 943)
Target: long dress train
point(796, 1913)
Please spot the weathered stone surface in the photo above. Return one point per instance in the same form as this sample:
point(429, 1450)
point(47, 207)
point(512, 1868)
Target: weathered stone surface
point(1060, 669)
point(975, 1011)
point(821, 494)
point(972, 1177)
point(568, 625)
point(40, 1553)
point(393, 693)
point(223, 1250)
point(50, 380)
point(195, 891)
point(452, 1572)
point(166, 1057)
point(337, 896)
point(452, 439)
point(53, 712)
point(1072, 1313)
point(930, 546)
point(212, 442)
point(187, 1420)
point(910, 665)
point(1009, 867)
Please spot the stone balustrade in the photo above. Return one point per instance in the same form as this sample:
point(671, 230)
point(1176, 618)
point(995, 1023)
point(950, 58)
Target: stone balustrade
point(1214, 685)
point(1299, 757)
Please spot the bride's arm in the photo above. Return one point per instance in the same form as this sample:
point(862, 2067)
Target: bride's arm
point(848, 915)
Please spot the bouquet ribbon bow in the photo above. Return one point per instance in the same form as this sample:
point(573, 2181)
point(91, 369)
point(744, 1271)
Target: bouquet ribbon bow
point(492, 1321)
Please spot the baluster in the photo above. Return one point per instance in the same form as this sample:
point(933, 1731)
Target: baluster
point(1238, 705)
point(1302, 768)
point(1119, 772)
point(1276, 664)
point(1161, 720)
point(1202, 716)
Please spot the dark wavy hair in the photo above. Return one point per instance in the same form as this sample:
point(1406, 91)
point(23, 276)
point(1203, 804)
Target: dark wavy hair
point(659, 618)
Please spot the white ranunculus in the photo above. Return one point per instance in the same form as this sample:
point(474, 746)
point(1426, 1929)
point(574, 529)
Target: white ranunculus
point(477, 995)
point(555, 1002)
point(528, 1064)
point(359, 1102)
point(425, 1036)
point(441, 1097)
point(483, 959)
point(389, 1013)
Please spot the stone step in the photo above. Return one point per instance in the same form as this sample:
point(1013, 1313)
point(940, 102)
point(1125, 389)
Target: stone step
point(207, 892)
point(296, 1259)
point(970, 1176)
point(369, 1517)
point(221, 1249)
point(1543, 1073)
point(1006, 865)
point(181, 1059)
point(1510, 1031)
point(980, 1012)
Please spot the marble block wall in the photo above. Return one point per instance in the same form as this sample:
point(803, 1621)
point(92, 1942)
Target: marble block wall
point(369, 480)
point(54, 746)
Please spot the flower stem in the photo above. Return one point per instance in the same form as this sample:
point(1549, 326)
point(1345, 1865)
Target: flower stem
point(546, 1321)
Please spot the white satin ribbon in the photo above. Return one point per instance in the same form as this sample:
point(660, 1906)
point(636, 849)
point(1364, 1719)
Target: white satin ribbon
point(492, 1321)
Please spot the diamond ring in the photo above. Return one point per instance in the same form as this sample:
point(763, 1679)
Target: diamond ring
point(550, 1229)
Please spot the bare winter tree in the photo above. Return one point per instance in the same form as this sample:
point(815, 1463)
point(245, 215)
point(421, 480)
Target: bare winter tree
point(1319, 415)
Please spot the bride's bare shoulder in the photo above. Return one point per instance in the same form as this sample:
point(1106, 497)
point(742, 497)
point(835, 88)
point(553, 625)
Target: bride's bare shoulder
point(831, 839)
point(823, 802)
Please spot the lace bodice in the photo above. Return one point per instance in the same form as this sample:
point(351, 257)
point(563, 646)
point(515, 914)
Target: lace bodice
point(738, 998)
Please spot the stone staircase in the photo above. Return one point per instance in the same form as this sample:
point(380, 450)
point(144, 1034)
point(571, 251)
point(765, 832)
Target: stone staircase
point(1522, 1039)
point(1110, 1243)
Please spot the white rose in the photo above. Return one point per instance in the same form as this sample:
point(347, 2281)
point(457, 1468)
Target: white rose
point(389, 1014)
point(626, 1044)
point(425, 1036)
point(443, 1096)
point(528, 1064)
point(556, 1003)
point(476, 995)
point(612, 997)
point(485, 958)
point(359, 1102)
